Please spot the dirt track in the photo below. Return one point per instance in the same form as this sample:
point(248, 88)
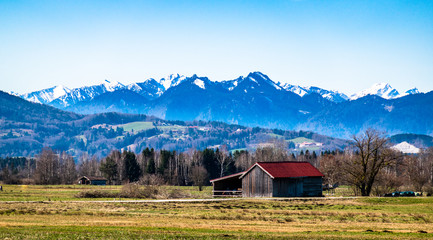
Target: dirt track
point(117, 200)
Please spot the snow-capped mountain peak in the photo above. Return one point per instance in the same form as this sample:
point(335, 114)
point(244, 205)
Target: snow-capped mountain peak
point(333, 96)
point(59, 91)
point(134, 87)
point(412, 91)
point(258, 77)
point(171, 81)
point(406, 147)
point(383, 90)
point(46, 95)
point(111, 86)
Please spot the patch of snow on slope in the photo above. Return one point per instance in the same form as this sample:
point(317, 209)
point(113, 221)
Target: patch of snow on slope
point(254, 80)
point(134, 87)
point(59, 91)
point(269, 81)
point(389, 108)
point(199, 83)
point(295, 89)
point(234, 84)
point(405, 147)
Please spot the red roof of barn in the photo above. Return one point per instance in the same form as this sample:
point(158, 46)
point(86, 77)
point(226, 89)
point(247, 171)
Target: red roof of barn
point(287, 169)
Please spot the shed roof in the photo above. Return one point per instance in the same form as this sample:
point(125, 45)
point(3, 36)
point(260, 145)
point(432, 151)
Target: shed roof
point(94, 178)
point(228, 176)
point(287, 169)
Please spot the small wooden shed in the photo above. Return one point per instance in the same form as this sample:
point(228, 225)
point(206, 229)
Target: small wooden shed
point(85, 180)
point(282, 179)
point(230, 185)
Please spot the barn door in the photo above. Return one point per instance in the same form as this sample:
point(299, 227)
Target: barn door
point(299, 187)
point(291, 188)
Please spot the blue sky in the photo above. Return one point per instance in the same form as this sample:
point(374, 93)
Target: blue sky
point(342, 45)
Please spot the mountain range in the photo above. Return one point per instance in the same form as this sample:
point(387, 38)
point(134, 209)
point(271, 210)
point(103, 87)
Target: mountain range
point(151, 88)
point(254, 100)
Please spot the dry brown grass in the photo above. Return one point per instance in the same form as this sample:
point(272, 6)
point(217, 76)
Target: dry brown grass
point(351, 218)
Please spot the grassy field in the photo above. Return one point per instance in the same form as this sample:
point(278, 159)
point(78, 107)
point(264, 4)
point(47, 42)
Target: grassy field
point(326, 218)
point(69, 192)
point(301, 140)
point(172, 128)
point(136, 126)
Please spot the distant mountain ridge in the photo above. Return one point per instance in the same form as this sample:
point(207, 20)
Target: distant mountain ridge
point(61, 96)
point(256, 100)
point(383, 90)
point(46, 95)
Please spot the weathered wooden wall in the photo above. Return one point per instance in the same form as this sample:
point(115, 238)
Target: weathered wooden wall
point(98, 182)
point(297, 187)
point(312, 187)
point(257, 183)
point(288, 187)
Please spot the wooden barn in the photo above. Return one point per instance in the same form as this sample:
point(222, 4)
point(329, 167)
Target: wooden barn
point(92, 180)
point(272, 179)
point(282, 179)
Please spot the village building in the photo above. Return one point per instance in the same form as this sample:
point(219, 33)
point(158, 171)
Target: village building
point(85, 180)
point(272, 179)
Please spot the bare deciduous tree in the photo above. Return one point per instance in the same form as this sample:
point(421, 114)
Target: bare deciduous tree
point(243, 160)
point(68, 169)
point(330, 166)
point(89, 167)
point(370, 155)
point(419, 170)
point(222, 155)
point(387, 181)
point(47, 167)
point(198, 176)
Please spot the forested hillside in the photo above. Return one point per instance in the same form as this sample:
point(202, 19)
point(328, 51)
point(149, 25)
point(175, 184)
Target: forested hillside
point(25, 128)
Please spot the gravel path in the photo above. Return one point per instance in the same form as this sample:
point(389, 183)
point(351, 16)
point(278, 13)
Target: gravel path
point(185, 200)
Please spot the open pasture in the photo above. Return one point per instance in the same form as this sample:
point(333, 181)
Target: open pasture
point(69, 192)
point(136, 126)
point(327, 218)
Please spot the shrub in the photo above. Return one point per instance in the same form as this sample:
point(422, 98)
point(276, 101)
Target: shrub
point(28, 181)
point(428, 190)
point(132, 190)
point(177, 193)
point(151, 179)
point(96, 194)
